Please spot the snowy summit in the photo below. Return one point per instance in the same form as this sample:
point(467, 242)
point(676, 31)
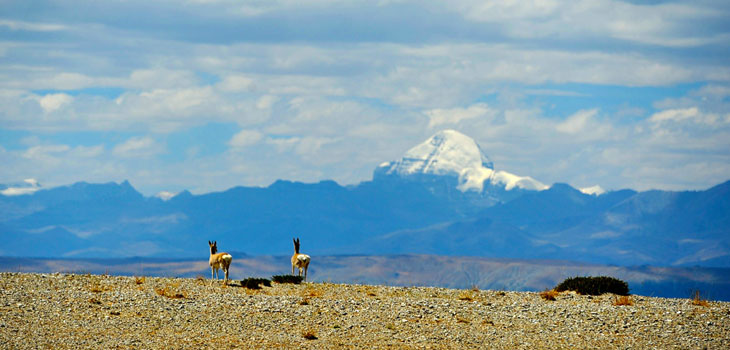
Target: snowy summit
point(451, 153)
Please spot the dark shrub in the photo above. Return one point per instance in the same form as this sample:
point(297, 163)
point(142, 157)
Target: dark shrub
point(594, 285)
point(287, 279)
point(255, 283)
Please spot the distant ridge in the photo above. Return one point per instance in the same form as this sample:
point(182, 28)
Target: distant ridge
point(412, 206)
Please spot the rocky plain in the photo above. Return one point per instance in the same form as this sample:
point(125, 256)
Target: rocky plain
point(86, 311)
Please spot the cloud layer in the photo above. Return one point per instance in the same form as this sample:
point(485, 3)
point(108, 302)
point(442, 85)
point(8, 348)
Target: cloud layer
point(207, 95)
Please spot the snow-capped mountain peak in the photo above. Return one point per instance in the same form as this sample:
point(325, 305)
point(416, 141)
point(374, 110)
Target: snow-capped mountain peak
point(447, 152)
point(452, 153)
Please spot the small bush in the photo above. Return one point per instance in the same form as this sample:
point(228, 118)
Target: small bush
point(549, 294)
point(287, 279)
point(139, 280)
point(623, 301)
point(594, 285)
point(255, 283)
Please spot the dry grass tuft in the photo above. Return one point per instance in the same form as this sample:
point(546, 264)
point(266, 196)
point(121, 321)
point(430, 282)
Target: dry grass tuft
point(139, 280)
point(551, 294)
point(460, 319)
point(309, 335)
point(623, 301)
point(697, 300)
point(370, 291)
point(200, 280)
point(97, 288)
point(94, 301)
point(312, 292)
point(465, 296)
point(170, 291)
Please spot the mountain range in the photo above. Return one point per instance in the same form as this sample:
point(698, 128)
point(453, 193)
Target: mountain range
point(442, 197)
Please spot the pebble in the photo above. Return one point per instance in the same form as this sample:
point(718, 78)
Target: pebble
point(66, 311)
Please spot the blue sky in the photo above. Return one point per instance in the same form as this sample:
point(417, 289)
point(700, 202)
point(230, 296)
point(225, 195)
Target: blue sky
point(207, 95)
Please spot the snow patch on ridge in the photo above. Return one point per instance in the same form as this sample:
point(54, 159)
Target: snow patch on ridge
point(166, 195)
point(593, 190)
point(28, 186)
point(511, 181)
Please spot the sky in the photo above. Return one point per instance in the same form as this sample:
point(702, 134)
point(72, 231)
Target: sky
point(206, 95)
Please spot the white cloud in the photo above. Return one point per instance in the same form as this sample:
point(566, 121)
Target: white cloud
point(675, 115)
point(138, 147)
point(87, 151)
point(302, 85)
point(266, 102)
point(691, 115)
point(177, 100)
point(59, 81)
point(284, 144)
point(245, 138)
point(656, 24)
point(440, 116)
point(32, 26)
point(312, 147)
point(52, 102)
point(44, 151)
point(577, 122)
point(505, 11)
point(236, 83)
point(158, 78)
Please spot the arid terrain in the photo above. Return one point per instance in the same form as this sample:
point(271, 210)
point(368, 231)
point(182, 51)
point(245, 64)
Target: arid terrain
point(72, 311)
point(459, 272)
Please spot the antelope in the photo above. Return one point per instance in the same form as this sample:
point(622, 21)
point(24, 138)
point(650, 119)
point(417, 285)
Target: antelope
point(300, 261)
point(218, 261)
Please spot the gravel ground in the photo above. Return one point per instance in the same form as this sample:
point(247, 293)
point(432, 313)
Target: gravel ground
point(67, 311)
